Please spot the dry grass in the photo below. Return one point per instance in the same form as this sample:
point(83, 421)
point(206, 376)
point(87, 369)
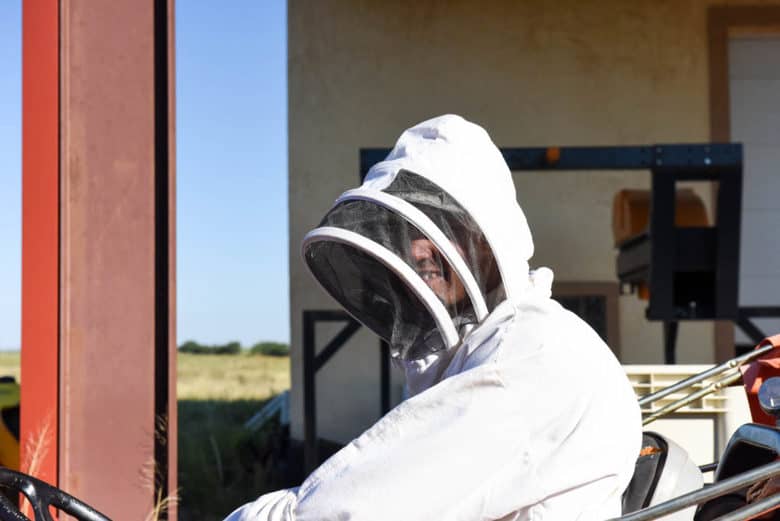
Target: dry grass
point(9, 364)
point(210, 377)
point(231, 377)
point(36, 450)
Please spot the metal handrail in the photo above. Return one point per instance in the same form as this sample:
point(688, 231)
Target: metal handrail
point(692, 397)
point(279, 404)
point(728, 373)
point(754, 509)
point(705, 494)
point(709, 467)
point(725, 366)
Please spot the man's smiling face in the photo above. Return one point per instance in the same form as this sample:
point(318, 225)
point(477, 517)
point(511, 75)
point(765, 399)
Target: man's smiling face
point(436, 272)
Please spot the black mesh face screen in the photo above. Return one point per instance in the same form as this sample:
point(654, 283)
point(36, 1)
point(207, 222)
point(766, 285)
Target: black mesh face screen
point(376, 297)
point(382, 300)
point(459, 227)
point(406, 241)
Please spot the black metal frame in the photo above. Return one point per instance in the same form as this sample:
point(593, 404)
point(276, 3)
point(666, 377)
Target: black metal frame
point(699, 159)
point(313, 362)
point(653, 257)
point(667, 164)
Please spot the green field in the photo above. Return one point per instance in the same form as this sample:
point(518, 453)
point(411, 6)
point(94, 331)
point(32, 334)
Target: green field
point(221, 464)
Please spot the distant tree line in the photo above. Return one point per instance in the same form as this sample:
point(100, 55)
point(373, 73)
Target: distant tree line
point(234, 348)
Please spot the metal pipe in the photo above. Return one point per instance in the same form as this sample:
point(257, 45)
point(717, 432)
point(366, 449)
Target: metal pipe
point(704, 391)
point(709, 467)
point(704, 494)
point(755, 509)
point(730, 364)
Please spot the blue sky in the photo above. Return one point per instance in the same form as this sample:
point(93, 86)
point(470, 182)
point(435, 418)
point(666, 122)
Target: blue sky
point(231, 82)
point(10, 172)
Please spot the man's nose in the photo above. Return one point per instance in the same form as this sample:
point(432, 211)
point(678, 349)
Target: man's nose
point(422, 249)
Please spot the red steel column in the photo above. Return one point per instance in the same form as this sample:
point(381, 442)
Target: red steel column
point(98, 351)
point(40, 238)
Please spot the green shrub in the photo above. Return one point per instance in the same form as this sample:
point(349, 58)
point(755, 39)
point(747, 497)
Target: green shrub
point(190, 346)
point(231, 348)
point(270, 349)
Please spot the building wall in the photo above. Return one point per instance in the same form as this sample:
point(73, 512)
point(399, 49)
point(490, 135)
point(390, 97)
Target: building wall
point(533, 73)
point(754, 86)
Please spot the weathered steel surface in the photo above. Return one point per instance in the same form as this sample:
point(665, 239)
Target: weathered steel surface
point(108, 255)
point(117, 312)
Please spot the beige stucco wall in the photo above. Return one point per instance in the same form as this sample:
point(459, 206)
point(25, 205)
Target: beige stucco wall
point(532, 73)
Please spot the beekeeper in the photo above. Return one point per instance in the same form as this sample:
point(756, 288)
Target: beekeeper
point(517, 409)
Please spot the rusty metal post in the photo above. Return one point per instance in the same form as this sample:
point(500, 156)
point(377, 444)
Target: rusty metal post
point(113, 254)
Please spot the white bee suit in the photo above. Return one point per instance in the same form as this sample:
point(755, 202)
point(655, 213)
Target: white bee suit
point(518, 410)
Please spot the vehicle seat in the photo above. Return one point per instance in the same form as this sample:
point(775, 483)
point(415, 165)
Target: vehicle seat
point(663, 471)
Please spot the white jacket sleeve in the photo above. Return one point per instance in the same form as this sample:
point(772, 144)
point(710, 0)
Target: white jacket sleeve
point(469, 448)
point(424, 460)
point(275, 506)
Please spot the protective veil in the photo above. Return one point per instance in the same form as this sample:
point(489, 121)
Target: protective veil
point(517, 409)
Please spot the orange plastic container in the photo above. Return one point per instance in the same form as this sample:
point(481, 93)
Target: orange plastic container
point(631, 212)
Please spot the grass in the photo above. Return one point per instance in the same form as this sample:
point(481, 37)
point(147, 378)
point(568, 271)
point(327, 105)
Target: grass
point(9, 364)
point(221, 464)
point(231, 377)
point(210, 377)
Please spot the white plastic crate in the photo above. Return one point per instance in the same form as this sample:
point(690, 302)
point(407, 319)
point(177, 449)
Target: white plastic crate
point(704, 426)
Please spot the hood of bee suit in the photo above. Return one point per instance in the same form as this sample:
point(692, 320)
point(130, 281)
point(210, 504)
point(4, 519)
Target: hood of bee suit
point(430, 243)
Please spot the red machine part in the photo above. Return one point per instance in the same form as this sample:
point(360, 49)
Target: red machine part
point(756, 372)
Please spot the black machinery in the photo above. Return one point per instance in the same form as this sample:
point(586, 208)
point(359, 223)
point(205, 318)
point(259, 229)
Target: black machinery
point(691, 272)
